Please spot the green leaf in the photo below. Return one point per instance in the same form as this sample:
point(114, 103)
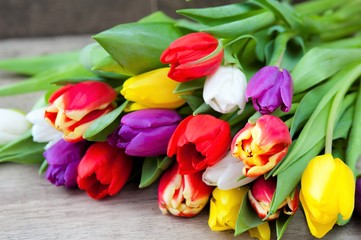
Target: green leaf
point(281, 224)
point(92, 54)
point(316, 7)
point(124, 41)
point(42, 81)
point(320, 63)
point(212, 16)
point(282, 11)
point(203, 108)
point(353, 150)
point(36, 65)
point(152, 168)
point(157, 16)
point(354, 42)
point(288, 180)
point(312, 133)
point(189, 86)
point(43, 167)
point(109, 65)
point(245, 26)
point(189, 25)
point(103, 126)
point(243, 49)
point(193, 101)
point(22, 150)
point(280, 46)
point(346, 116)
point(309, 103)
point(315, 128)
point(294, 52)
point(247, 217)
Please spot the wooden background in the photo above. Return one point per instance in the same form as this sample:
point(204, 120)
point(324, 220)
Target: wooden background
point(31, 18)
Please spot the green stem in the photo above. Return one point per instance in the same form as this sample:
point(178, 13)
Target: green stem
point(353, 150)
point(280, 48)
point(335, 112)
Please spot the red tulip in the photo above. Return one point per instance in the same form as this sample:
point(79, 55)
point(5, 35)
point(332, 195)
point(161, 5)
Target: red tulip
point(182, 195)
point(261, 145)
point(103, 170)
point(199, 141)
point(75, 106)
point(193, 56)
point(261, 194)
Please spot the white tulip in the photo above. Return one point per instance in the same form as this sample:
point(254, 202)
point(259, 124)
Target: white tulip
point(226, 174)
point(13, 124)
point(224, 91)
point(42, 131)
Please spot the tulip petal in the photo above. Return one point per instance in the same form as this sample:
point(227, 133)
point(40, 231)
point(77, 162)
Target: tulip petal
point(266, 77)
point(120, 172)
point(347, 184)
point(317, 229)
point(150, 118)
point(261, 232)
point(152, 89)
point(202, 45)
point(89, 95)
point(71, 174)
point(103, 170)
point(225, 90)
point(141, 146)
point(178, 138)
point(286, 91)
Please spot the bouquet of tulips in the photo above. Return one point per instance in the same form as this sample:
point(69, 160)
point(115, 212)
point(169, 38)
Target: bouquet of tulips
point(252, 107)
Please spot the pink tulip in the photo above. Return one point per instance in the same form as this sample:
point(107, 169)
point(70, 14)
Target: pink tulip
point(261, 194)
point(182, 195)
point(75, 106)
point(261, 145)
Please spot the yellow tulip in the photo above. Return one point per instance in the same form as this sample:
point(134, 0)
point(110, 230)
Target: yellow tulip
point(152, 89)
point(262, 231)
point(224, 208)
point(327, 190)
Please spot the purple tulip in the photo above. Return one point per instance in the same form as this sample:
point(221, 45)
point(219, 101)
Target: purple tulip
point(63, 158)
point(146, 132)
point(269, 89)
point(358, 196)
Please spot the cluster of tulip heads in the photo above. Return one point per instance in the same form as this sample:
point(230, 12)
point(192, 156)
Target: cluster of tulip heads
point(216, 160)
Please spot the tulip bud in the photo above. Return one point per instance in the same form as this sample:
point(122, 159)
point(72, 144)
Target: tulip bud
point(199, 141)
point(151, 90)
point(226, 174)
point(13, 124)
point(103, 170)
point(327, 192)
point(182, 195)
point(260, 196)
point(63, 159)
point(269, 89)
point(261, 145)
point(224, 208)
point(75, 106)
point(145, 133)
point(193, 56)
point(225, 89)
point(41, 130)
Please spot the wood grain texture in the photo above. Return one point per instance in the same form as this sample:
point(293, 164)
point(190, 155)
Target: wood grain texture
point(23, 18)
point(32, 208)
